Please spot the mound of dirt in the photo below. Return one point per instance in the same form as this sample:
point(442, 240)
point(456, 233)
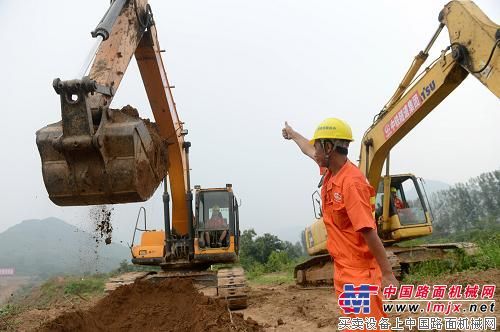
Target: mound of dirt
point(167, 305)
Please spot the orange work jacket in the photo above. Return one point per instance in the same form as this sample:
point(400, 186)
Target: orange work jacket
point(347, 208)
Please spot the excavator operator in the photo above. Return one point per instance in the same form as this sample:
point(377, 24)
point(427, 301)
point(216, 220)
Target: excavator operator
point(358, 254)
point(398, 203)
point(214, 224)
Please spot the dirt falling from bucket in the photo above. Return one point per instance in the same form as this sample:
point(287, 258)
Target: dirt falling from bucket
point(101, 219)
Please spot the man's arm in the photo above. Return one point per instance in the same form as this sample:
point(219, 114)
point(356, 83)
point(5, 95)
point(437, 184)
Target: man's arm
point(301, 141)
point(377, 249)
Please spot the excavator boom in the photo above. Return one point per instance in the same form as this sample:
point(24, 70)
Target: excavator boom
point(96, 155)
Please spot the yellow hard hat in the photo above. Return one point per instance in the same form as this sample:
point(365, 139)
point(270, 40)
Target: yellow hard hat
point(216, 208)
point(393, 190)
point(332, 128)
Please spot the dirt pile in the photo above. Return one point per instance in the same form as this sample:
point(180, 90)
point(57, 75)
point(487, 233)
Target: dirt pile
point(167, 305)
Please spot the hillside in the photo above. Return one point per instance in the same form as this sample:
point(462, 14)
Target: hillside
point(51, 246)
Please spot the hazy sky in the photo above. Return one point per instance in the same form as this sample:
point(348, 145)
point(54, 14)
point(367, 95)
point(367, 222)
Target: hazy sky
point(240, 70)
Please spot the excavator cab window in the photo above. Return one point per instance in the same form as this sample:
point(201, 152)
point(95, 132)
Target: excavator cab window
point(406, 200)
point(215, 218)
point(413, 210)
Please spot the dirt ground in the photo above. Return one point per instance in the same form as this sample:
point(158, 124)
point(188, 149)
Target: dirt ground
point(315, 309)
point(292, 308)
point(282, 307)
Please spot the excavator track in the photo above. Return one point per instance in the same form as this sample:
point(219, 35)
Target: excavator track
point(232, 286)
point(319, 269)
point(227, 284)
point(315, 271)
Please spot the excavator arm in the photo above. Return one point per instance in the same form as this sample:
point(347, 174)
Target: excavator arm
point(97, 155)
point(474, 49)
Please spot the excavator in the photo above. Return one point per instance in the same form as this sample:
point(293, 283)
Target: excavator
point(474, 49)
point(97, 155)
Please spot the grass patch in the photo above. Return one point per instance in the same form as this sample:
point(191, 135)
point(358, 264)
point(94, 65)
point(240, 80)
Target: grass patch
point(276, 278)
point(9, 309)
point(50, 292)
point(6, 313)
point(61, 290)
point(488, 257)
point(83, 286)
point(55, 291)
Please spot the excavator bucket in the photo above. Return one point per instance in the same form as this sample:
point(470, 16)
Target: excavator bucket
point(122, 161)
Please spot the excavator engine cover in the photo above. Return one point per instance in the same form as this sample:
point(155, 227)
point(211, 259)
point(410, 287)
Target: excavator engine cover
point(119, 162)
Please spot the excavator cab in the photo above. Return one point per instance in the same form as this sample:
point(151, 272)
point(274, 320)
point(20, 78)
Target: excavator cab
point(214, 237)
point(216, 225)
point(407, 214)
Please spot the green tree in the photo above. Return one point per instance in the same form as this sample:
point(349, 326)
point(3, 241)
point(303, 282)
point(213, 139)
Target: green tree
point(293, 251)
point(468, 206)
point(278, 260)
point(247, 248)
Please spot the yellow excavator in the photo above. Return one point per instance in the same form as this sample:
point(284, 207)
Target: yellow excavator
point(97, 155)
point(474, 49)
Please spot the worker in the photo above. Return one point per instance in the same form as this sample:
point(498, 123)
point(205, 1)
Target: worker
point(216, 223)
point(358, 254)
point(398, 203)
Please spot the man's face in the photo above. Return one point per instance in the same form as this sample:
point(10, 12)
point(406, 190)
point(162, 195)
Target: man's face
point(319, 153)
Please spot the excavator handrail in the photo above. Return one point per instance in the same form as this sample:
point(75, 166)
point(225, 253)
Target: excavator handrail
point(142, 208)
